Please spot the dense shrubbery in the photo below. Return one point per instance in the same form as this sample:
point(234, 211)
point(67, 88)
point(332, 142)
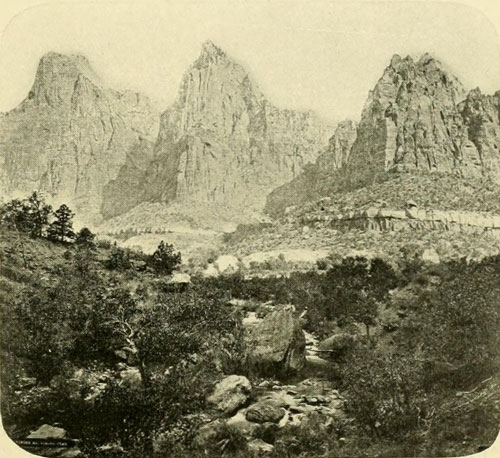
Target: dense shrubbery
point(447, 342)
point(87, 318)
point(402, 384)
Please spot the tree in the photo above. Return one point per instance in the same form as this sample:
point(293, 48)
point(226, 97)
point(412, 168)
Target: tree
point(38, 213)
point(164, 259)
point(62, 228)
point(15, 216)
point(28, 215)
point(85, 238)
point(354, 288)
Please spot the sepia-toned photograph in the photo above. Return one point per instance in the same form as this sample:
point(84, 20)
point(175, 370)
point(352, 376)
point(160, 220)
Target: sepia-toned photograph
point(249, 229)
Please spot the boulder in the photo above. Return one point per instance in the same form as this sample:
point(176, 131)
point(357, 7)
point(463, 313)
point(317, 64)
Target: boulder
point(264, 412)
point(258, 447)
point(337, 345)
point(54, 433)
point(430, 256)
point(131, 377)
point(227, 264)
point(277, 343)
point(230, 393)
point(48, 432)
point(210, 271)
point(207, 433)
point(240, 424)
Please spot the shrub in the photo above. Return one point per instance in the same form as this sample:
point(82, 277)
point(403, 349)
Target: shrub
point(119, 259)
point(384, 392)
point(85, 238)
point(164, 260)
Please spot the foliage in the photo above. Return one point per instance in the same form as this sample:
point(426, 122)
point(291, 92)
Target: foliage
point(180, 342)
point(164, 260)
point(118, 259)
point(30, 215)
point(62, 227)
point(457, 324)
point(354, 288)
point(384, 391)
point(85, 238)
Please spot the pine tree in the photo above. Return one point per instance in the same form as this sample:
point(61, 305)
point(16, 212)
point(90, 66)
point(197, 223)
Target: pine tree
point(62, 228)
point(39, 213)
point(164, 259)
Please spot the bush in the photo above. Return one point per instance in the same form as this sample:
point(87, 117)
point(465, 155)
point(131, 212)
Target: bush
point(165, 260)
point(384, 392)
point(119, 259)
point(85, 238)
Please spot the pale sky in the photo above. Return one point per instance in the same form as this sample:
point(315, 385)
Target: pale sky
point(318, 55)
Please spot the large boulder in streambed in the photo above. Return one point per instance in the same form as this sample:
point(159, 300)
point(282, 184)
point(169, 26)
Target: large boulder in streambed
point(277, 344)
point(230, 394)
point(265, 412)
point(337, 346)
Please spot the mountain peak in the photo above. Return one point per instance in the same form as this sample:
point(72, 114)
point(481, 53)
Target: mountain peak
point(54, 63)
point(56, 76)
point(210, 53)
point(209, 47)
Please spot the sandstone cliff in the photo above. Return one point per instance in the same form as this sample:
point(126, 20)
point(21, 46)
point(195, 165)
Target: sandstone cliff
point(417, 119)
point(71, 135)
point(481, 114)
point(222, 141)
point(315, 180)
point(411, 121)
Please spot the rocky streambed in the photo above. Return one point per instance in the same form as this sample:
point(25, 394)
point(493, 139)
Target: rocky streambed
point(258, 411)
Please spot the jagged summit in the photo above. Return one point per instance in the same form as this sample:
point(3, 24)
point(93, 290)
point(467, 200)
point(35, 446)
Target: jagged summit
point(210, 54)
point(222, 141)
point(57, 75)
point(209, 47)
point(70, 136)
point(417, 119)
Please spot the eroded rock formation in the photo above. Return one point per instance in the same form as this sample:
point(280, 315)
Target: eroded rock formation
point(418, 118)
point(72, 134)
point(222, 141)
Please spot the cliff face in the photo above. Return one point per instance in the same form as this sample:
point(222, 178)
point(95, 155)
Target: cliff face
point(222, 141)
point(316, 179)
point(411, 121)
point(71, 135)
point(481, 114)
point(418, 118)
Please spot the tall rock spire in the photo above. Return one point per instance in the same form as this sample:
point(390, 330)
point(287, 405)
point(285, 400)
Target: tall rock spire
point(222, 141)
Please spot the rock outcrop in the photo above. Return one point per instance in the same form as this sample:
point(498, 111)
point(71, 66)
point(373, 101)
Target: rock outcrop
point(70, 137)
point(230, 393)
point(386, 219)
point(277, 343)
point(412, 121)
point(481, 114)
point(222, 141)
